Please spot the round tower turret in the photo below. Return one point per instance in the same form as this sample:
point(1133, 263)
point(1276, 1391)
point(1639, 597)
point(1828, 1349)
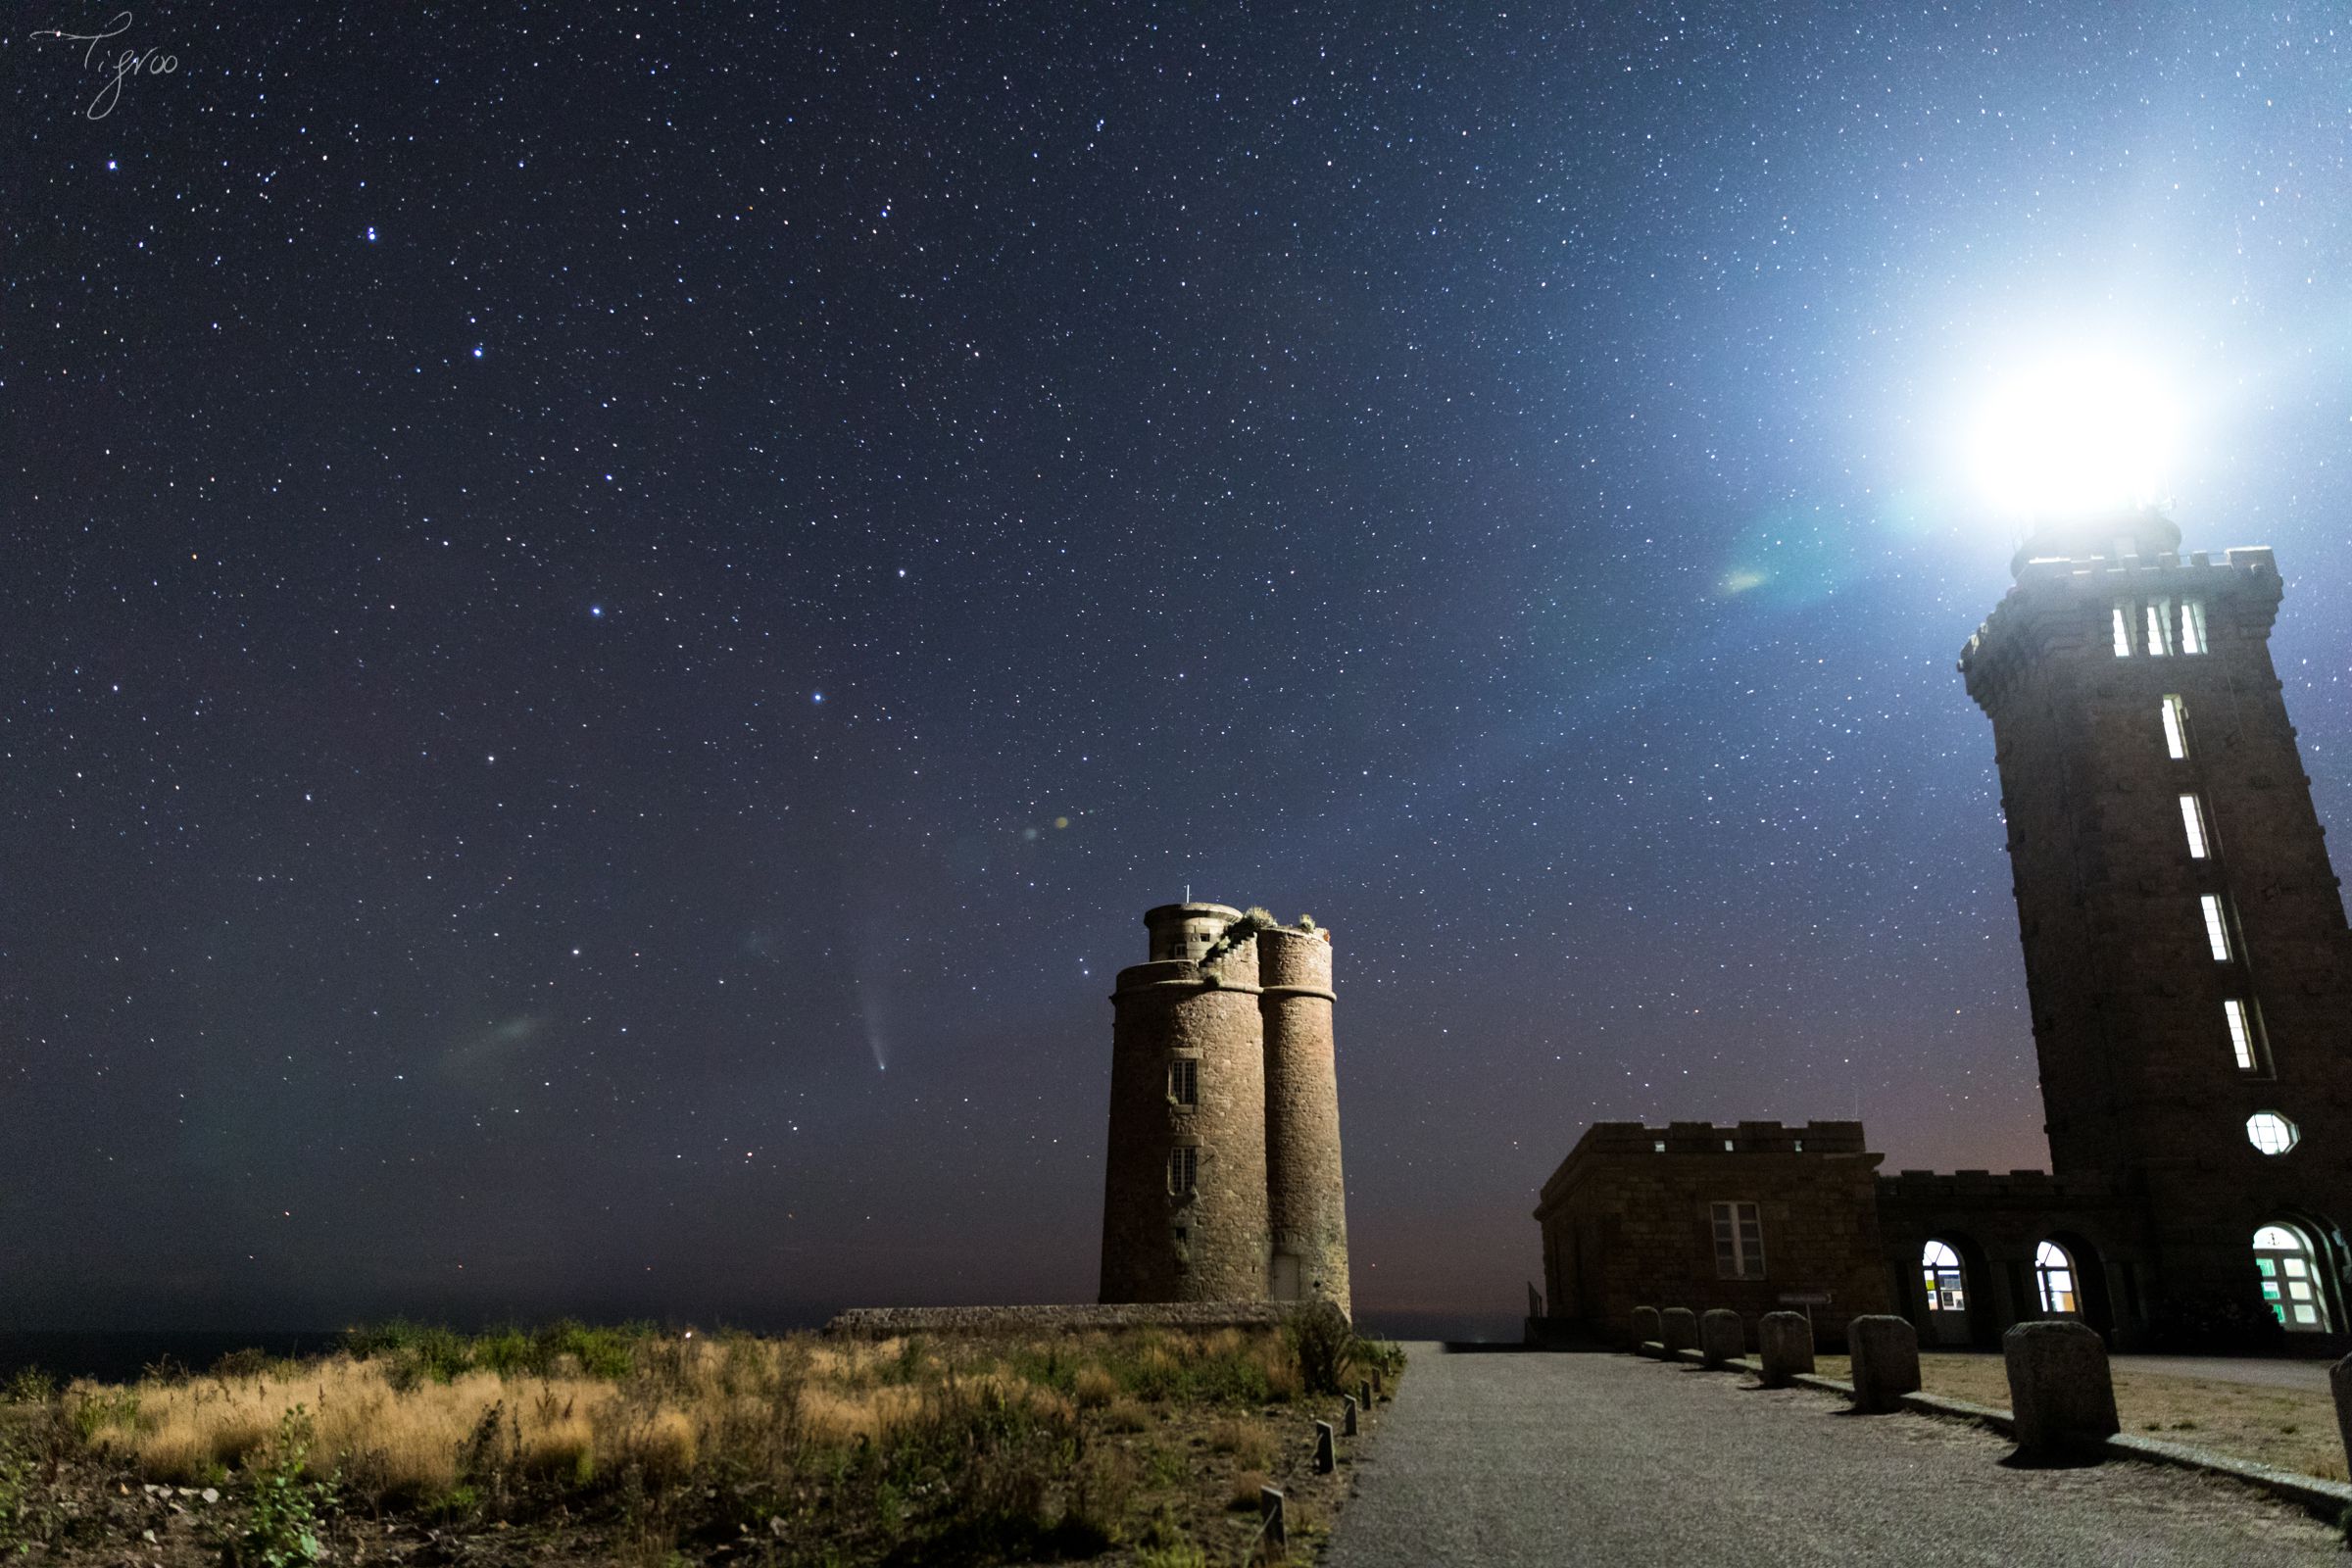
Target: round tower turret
point(1183, 1201)
point(1307, 1197)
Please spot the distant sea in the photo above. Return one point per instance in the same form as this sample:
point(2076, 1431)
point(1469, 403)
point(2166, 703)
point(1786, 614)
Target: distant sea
point(117, 1357)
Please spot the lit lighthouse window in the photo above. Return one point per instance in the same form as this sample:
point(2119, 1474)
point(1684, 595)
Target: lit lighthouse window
point(2242, 1033)
point(2217, 929)
point(2123, 630)
point(2192, 819)
point(2271, 1132)
point(2160, 627)
point(2176, 728)
point(2193, 626)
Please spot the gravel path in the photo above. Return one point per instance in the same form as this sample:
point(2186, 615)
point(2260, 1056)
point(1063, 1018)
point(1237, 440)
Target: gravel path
point(1502, 1458)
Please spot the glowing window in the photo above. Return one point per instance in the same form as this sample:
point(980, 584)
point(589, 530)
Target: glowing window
point(1946, 1280)
point(1184, 1081)
point(2193, 626)
point(2290, 1279)
point(2242, 1033)
point(1738, 1242)
point(1184, 1170)
point(2123, 630)
point(1659, 1146)
point(2159, 613)
point(2192, 819)
point(2217, 926)
point(2176, 728)
point(2054, 1274)
point(2271, 1132)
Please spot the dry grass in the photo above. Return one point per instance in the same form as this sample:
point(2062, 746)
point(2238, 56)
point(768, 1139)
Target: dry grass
point(614, 1445)
point(2293, 1429)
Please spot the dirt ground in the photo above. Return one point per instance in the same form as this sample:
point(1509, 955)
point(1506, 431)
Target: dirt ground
point(2290, 1428)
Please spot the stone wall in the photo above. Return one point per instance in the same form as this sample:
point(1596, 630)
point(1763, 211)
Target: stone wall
point(1628, 1222)
point(1307, 1194)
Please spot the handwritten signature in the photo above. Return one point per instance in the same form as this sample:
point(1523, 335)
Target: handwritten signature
point(118, 68)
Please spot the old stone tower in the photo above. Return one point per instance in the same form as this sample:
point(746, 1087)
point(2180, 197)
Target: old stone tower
point(2185, 948)
point(1223, 1180)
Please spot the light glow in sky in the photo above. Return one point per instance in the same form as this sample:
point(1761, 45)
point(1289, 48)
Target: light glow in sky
point(2078, 432)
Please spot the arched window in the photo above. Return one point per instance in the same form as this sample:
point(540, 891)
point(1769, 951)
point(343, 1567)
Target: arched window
point(1947, 1282)
point(2054, 1273)
point(2290, 1279)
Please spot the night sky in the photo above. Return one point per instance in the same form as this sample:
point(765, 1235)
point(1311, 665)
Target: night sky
point(613, 612)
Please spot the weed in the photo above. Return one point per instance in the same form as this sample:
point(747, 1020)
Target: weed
point(30, 1386)
point(1183, 1555)
point(1126, 1415)
point(1247, 1485)
point(1322, 1343)
point(281, 1529)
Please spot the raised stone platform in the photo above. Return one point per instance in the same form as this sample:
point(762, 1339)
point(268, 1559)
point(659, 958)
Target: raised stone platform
point(890, 1322)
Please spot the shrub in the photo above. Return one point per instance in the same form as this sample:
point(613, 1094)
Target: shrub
point(1246, 1485)
point(1249, 1444)
point(1126, 1415)
point(1094, 1388)
point(1322, 1343)
point(281, 1529)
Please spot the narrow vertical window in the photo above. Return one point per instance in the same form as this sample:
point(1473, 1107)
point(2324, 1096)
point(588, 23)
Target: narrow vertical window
point(1184, 1170)
point(2241, 1034)
point(2192, 818)
point(2123, 630)
point(2160, 627)
point(2176, 728)
point(2193, 626)
point(1183, 1082)
point(2217, 926)
point(1738, 1242)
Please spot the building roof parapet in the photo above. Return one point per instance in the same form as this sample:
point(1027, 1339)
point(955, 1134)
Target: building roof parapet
point(1607, 1139)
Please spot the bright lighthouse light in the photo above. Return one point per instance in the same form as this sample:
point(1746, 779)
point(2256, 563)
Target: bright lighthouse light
point(2075, 435)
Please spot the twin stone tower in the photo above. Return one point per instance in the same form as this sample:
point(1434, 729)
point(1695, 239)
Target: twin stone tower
point(1224, 1182)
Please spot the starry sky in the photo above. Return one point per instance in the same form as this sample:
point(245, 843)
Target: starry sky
point(613, 612)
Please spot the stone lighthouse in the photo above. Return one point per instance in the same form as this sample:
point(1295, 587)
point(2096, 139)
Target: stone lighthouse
point(2186, 956)
point(1223, 1181)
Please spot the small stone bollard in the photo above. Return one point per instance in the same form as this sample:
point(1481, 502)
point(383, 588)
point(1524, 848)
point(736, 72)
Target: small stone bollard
point(1722, 1336)
point(2339, 1383)
point(1363, 1394)
point(1324, 1458)
point(1784, 1341)
point(2060, 1391)
point(1677, 1330)
point(1269, 1508)
point(1646, 1327)
point(1347, 1422)
point(1886, 1352)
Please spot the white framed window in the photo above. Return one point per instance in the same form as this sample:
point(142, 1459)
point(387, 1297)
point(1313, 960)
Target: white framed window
point(2193, 821)
point(1946, 1281)
point(2192, 627)
point(2271, 1132)
point(2290, 1279)
point(1184, 1081)
point(2123, 630)
point(2054, 1276)
point(2217, 925)
point(2176, 728)
point(1659, 1146)
point(2159, 616)
point(1738, 1242)
point(1184, 1170)
point(2240, 1015)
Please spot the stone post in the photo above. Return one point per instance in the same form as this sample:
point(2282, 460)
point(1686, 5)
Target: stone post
point(1269, 1508)
point(1677, 1330)
point(1722, 1336)
point(1363, 1394)
point(2339, 1383)
point(1786, 1343)
point(1324, 1456)
point(1646, 1327)
point(1347, 1422)
point(1885, 1351)
point(2060, 1392)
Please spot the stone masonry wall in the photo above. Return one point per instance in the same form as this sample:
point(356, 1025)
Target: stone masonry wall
point(1306, 1193)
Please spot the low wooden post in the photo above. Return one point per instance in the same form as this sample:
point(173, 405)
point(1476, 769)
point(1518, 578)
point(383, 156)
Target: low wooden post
point(1277, 1530)
point(1348, 1421)
point(1326, 1459)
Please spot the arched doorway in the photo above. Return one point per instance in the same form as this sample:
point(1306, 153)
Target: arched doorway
point(1946, 1279)
point(2058, 1288)
point(2292, 1281)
